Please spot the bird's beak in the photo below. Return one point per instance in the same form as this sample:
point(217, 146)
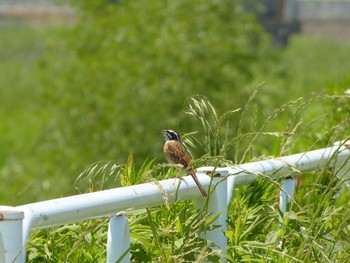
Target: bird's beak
point(165, 134)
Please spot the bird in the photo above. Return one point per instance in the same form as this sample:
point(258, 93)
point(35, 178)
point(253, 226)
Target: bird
point(176, 153)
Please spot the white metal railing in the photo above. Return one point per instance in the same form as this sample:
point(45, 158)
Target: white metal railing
point(16, 223)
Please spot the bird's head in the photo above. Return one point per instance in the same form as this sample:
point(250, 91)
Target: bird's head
point(171, 135)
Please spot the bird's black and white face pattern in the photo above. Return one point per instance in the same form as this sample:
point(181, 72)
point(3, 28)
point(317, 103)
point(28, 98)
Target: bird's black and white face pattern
point(170, 135)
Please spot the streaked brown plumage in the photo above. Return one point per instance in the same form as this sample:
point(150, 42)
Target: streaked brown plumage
point(176, 153)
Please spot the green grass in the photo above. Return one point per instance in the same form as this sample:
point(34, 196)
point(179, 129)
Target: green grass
point(20, 115)
point(314, 64)
point(25, 117)
point(314, 230)
point(54, 94)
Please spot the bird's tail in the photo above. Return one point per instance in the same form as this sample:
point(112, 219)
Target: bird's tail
point(195, 178)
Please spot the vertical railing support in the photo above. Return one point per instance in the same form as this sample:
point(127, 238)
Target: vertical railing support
point(286, 193)
point(118, 240)
point(217, 204)
point(11, 226)
point(342, 168)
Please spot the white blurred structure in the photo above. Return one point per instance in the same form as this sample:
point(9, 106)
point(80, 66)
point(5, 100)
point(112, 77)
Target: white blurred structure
point(324, 9)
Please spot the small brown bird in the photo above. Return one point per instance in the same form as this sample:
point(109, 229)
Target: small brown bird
point(176, 153)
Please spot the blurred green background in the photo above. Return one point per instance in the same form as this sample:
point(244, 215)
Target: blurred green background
point(106, 79)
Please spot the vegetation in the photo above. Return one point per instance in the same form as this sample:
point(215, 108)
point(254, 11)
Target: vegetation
point(99, 94)
point(314, 228)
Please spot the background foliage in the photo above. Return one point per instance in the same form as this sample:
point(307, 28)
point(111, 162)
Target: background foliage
point(100, 92)
point(125, 71)
point(136, 63)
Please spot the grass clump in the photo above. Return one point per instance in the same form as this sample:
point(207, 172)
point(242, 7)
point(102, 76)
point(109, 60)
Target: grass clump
point(313, 229)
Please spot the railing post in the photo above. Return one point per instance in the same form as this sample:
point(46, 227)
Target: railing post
point(286, 193)
point(118, 240)
point(217, 204)
point(11, 226)
point(342, 168)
